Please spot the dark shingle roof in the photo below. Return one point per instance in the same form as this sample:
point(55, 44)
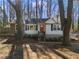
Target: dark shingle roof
point(36, 21)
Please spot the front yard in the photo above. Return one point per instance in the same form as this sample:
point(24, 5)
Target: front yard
point(39, 50)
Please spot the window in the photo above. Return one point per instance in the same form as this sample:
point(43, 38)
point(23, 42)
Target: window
point(58, 27)
point(51, 27)
point(26, 27)
point(31, 27)
point(54, 27)
point(36, 27)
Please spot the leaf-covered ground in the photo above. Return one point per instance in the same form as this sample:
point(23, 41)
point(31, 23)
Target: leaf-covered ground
point(39, 50)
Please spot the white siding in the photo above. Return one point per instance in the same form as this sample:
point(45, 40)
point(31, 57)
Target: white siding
point(38, 27)
point(54, 32)
point(31, 32)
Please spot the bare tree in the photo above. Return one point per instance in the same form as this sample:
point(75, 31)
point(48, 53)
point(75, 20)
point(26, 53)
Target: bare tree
point(49, 8)
point(78, 15)
point(41, 9)
point(61, 10)
point(66, 22)
point(1, 17)
point(36, 10)
point(18, 10)
point(4, 15)
point(29, 10)
point(67, 26)
point(73, 20)
point(11, 13)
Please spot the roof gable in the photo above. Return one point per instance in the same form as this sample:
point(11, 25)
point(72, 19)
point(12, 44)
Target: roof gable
point(50, 21)
point(53, 20)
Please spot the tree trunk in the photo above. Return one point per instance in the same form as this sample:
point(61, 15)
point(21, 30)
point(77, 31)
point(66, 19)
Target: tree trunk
point(61, 9)
point(4, 15)
point(37, 10)
point(18, 10)
point(19, 20)
point(66, 40)
point(66, 23)
point(49, 8)
point(41, 9)
point(29, 13)
point(73, 21)
point(78, 23)
point(78, 16)
point(67, 26)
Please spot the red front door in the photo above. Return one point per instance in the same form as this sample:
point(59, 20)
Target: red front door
point(42, 27)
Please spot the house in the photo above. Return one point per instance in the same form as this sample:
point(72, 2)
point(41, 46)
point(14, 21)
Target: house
point(33, 27)
point(53, 28)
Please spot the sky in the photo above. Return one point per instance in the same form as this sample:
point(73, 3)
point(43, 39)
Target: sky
point(54, 8)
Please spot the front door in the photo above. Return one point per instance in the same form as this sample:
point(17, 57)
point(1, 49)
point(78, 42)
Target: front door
point(42, 27)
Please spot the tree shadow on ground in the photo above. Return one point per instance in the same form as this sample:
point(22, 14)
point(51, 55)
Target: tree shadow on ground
point(37, 48)
point(12, 40)
point(48, 49)
point(16, 52)
point(74, 49)
point(16, 49)
point(41, 51)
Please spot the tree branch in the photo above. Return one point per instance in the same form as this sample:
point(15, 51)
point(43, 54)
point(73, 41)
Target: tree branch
point(11, 4)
